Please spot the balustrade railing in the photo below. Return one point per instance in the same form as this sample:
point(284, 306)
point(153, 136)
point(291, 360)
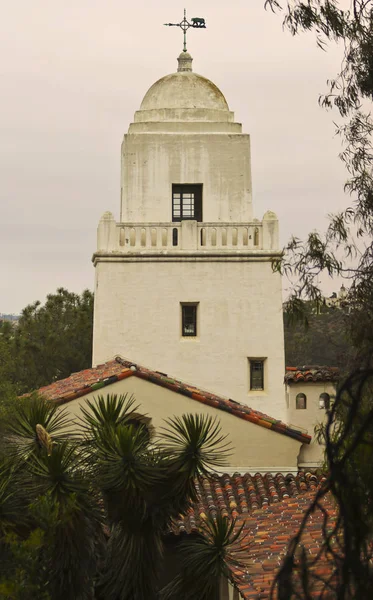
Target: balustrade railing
point(168, 236)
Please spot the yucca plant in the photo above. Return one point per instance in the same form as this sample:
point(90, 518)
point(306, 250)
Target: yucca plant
point(193, 447)
point(206, 558)
point(107, 412)
point(145, 484)
point(73, 539)
point(22, 427)
point(20, 540)
point(48, 463)
point(112, 476)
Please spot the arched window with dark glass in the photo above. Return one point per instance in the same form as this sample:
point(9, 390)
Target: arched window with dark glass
point(324, 401)
point(301, 401)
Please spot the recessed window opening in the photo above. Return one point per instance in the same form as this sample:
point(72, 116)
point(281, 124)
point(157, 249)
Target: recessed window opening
point(187, 202)
point(256, 374)
point(189, 320)
point(301, 401)
point(324, 401)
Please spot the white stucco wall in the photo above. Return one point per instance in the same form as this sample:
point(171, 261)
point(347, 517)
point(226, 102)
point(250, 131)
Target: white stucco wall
point(151, 163)
point(185, 133)
point(255, 449)
point(138, 316)
point(311, 455)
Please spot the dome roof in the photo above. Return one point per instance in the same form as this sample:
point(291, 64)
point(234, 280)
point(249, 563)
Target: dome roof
point(184, 89)
point(182, 101)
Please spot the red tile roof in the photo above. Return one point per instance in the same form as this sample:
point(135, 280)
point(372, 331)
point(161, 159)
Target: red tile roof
point(311, 374)
point(267, 534)
point(239, 495)
point(271, 508)
point(90, 380)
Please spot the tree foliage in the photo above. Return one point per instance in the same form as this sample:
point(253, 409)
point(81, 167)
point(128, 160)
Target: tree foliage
point(345, 250)
point(50, 341)
point(92, 505)
point(326, 340)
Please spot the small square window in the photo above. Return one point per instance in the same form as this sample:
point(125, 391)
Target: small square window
point(187, 202)
point(189, 320)
point(256, 374)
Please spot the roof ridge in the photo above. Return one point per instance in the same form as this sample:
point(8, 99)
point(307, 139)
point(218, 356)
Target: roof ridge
point(90, 380)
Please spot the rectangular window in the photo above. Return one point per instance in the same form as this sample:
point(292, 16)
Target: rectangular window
point(187, 202)
point(256, 374)
point(189, 320)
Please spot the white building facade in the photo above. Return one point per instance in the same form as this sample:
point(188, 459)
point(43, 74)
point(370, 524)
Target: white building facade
point(184, 280)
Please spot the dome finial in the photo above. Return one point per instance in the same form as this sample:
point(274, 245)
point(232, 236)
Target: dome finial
point(185, 62)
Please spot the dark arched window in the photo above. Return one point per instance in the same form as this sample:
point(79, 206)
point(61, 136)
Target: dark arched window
point(301, 401)
point(324, 401)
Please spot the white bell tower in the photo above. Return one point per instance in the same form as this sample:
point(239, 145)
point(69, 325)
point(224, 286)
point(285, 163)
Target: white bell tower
point(184, 282)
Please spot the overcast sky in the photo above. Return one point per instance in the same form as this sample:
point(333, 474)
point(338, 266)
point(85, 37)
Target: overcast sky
point(73, 74)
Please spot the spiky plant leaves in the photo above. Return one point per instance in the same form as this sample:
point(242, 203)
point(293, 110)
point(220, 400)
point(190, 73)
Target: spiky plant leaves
point(72, 550)
point(144, 483)
point(58, 473)
point(12, 500)
point(206, 559)
point(107, 412)
point(126, 471)
point(22, 427)
point(194, 447)
point(195, 443)
point(124, 459)
point(100, 417)
point(132, 564)
point(72, 523)
point(19, 541)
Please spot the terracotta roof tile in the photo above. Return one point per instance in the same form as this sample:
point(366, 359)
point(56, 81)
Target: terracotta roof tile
point(239, 495)
point(84, 382)
point(311, 374)
point(268, 533)
point(271, 508)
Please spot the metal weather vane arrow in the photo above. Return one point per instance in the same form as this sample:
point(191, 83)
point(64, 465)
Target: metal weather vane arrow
point(196, 23)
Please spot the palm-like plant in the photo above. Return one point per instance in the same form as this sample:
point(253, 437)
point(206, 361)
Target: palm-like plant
point(193, 447)
point(23, 438)
point(74, 534)
point(12, 500)
point(114, 472)
point(145, 484)
point(46, 462)
point(206, 559)
point(107, 412)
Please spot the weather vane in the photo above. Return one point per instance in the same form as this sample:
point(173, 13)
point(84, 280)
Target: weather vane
point(196, 23)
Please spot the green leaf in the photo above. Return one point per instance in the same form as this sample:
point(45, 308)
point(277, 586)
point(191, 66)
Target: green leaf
point(29, 413)
point(206, 559)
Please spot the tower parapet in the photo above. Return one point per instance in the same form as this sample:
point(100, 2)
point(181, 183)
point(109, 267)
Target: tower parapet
point(186, 236)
